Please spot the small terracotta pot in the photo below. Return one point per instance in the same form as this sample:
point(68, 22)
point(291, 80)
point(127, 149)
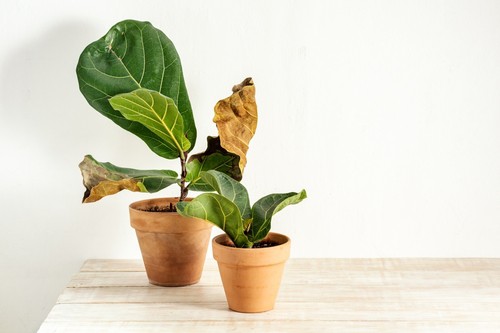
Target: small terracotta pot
point(173, 247)
point(251, 277)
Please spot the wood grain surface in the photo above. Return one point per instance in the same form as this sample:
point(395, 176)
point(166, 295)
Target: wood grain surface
point(317, 295)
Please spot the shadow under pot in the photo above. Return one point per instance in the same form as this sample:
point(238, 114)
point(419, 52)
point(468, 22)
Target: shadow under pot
point(251, 277)
point(173, 247)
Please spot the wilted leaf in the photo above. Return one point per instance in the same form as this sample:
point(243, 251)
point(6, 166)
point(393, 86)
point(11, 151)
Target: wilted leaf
point(220, 211)
point(134, 55)
point(102, 179)
point(108, 187)
point(214, 158)
point(159, 114)
point(236, 119)
point(264, 209)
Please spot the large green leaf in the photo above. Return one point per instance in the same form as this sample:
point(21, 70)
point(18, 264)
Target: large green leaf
point(230, 189)
point(102, 179)
point(264, 209)
point(158, 113)
point(220, 211)
point(214, 158)
point(134, 55)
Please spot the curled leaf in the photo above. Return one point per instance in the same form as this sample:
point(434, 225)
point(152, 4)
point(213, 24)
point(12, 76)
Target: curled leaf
point(264, 209)
point(102, 179)
point(108, 187)
point(236, 119)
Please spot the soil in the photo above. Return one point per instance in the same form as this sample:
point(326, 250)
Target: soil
point(265, 244)
point(161, 209)
point(258, 245)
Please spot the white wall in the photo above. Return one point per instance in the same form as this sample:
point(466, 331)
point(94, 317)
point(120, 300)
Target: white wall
point(387, 112)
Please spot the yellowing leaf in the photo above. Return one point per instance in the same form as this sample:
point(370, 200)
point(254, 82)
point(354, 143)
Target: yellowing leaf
point(101, 179)
point(236, 119)
point(109, 187)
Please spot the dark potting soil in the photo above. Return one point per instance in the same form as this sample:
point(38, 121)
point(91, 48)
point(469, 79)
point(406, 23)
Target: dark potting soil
point(161, 209)
point(258, 245)
point(265, 244)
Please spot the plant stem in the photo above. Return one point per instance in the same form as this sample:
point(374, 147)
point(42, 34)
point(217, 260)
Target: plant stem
point(184, 189)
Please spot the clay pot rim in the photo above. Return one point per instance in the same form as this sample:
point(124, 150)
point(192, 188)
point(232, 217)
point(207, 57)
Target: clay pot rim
point(216, 242)
point(163, 222)
point(251, 256)
point(134, 206)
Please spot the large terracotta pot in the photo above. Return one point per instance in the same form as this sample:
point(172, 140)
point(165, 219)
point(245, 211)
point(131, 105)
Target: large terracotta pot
point(173, 247)
point(251, 277)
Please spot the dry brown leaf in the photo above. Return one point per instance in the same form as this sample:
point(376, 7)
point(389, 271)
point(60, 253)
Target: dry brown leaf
point(236, 119)
point(109, 187)
point(100, 182)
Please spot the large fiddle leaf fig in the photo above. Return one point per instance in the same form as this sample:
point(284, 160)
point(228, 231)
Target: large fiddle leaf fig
point(157, 113)
point(130, 56)
point(102, 179)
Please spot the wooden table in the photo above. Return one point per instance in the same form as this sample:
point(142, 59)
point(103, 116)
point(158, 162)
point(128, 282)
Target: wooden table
point(317, 295)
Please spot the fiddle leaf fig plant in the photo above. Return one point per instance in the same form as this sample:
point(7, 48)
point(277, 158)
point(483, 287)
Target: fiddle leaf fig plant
point(133, 76)
point(230, 209)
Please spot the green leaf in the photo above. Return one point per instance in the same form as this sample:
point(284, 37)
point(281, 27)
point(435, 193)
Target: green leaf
point(220, 211)
point(214, 158)
point(230, 189)
point(101, 179)
point(264, 209)
point(158, 113)
point(134, 55)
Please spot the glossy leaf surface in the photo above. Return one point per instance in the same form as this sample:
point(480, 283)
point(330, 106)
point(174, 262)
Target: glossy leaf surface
point(220, 211)
point(214, 158)
point(230, 189)
point(159, 114)
point(264, 209)
point(130, 56)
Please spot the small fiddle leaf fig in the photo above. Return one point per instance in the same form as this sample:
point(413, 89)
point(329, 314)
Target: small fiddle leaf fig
point(229, 209)
point(156, 112)
point(220, 211)
point(102, 179)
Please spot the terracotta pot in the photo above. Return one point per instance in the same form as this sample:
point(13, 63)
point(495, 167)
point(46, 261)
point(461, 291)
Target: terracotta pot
point(173, 247)
point(251, 277)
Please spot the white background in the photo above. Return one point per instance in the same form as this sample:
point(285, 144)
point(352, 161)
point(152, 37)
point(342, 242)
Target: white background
point(387, 112)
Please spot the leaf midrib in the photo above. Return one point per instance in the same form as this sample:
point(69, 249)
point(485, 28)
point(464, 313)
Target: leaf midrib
point(159, 120)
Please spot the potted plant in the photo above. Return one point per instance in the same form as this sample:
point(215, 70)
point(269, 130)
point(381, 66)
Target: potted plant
point(133, 76)
point(250, 258)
